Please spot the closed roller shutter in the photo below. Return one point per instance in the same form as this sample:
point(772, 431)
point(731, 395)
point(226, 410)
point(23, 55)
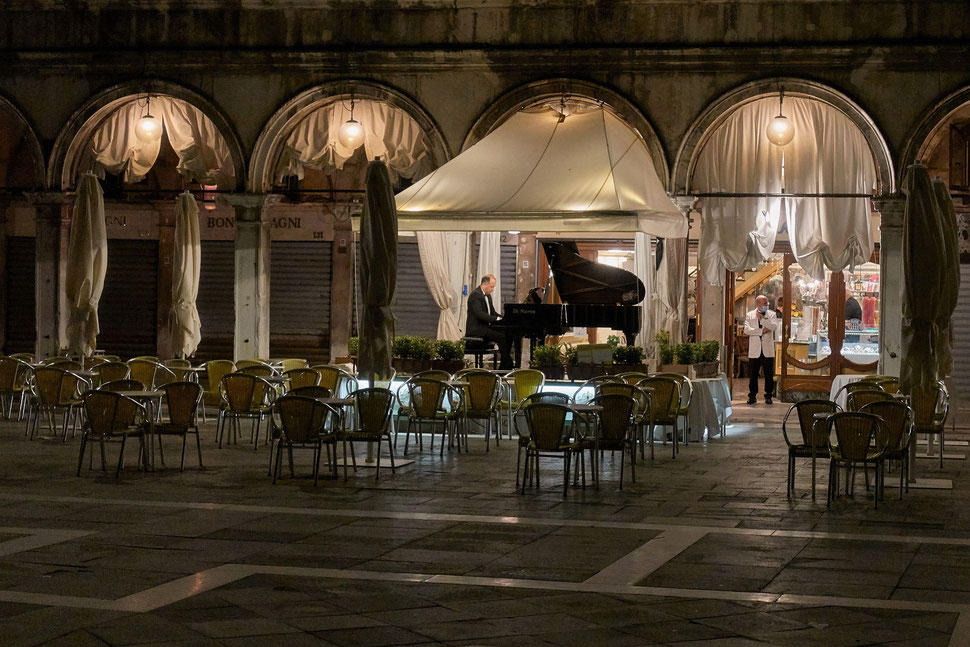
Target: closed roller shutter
point(128, 311)
point(216, 302)
point(415, 311)
point(507, 274)
point(21, 311)
point(961, 337)
point(299, 297)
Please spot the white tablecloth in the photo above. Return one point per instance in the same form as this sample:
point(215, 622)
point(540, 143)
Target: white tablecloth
point(837, 383)
point(710, 407)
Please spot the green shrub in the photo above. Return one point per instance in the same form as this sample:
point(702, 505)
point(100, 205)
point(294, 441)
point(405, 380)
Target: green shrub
point(424, 348)
point(613, 341)
point(547, 357)
point(708, 351)
point(353, 346)
point(684, 353)
point(572, 357)
point(666, 355)
point(628, 355)
point(449, 351)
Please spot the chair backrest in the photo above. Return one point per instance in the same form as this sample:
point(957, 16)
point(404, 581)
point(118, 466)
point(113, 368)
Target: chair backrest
point(897, 419)
point(183, 400)
point(143, 370)
point(856, 386)
point(243, 392)
point(164, 375)
point(178, 367)
point(665, 395)
point(258, 370)
point(551, 397)
point(814, 433)
point(426, 396)
point(91, 361)
point(434, 374)
point(24, 357)
point(110, 371)
point(216, 369)
point(547, 424)
point(316, 391)
point(854, 434)
point(587, 390)
point(56, 359)
point(616, 418)
point(67, 364)
point(929, 406)
point(335, 378)
point(889, 384)
point(483, 390)
point(301, 418)
point(108, 412)
point(373, 408)
point(150, 358)
point(248, 363)
point(127, 384)
point(525, 382)
point(298, 377)
point(55, 386)
point(293, 363)
point(686, 389)
point(11, 371)
point(859, 398)
point(615, 388)
point(632, 377)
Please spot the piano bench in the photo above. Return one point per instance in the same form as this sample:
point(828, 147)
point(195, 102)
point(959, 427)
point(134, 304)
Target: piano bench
point(479, 348)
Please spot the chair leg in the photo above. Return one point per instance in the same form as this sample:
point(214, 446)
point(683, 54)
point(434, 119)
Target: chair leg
point(941, 450)
point(345, 459)
point(121, 455)
point(80, 460)
point(565, 476)
point(198, 445)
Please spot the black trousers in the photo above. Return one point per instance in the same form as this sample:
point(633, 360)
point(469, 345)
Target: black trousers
point(755, 365)
point(504, 347)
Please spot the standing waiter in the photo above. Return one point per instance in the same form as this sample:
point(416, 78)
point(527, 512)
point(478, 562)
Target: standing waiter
point(760, 325)
point(481, 314)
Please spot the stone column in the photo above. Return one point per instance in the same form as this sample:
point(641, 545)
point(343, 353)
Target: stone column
point(251, 335)
point(166, 255)
point(53, 220)
point(686, 205)
point(341, 288)
point(890, 210)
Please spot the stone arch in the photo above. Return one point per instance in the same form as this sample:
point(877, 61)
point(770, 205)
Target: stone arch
point(523, 95)
point(269, 145)
point(927, 129)
point(68, 152)
point(712, 116)
point(31, 141)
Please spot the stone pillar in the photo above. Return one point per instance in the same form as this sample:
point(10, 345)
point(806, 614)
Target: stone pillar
point(341, 288)
point(890, 210)
point(686, 205)
point(166, 255)
point(53, 221)
point(251, 335)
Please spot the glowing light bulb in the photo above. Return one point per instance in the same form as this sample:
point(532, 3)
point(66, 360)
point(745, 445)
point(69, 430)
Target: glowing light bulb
point(148, 129)
point(351, 134)
point(780, 131)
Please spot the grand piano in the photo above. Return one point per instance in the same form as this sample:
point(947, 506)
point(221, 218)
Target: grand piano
point(594, 296)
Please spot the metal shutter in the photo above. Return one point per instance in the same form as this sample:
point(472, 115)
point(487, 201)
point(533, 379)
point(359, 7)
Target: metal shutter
point(961, 338)
point(216, 301)
point(414, 307)
point(128, 310)
point(21, 311)
point(507, 273)
point(299, 296)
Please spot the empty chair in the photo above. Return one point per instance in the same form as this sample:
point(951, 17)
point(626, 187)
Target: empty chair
point(144, 370)
point(55, 389)
point(14, 374)
point(930, 409)
point(686, 395)
point(812, 441)
point(110, 371)
point(179, 368)
point(111, 416)
point(302, 423)
point(335, 378)
point(24, 357)
point(426, 405)
point(858, 442)
point(297, 377)
point(615, 431)
point(480, 401)
point(372, 424)
point(244, 396)
point(182, 400)
point(665, 406)
point(587, 390)
point(523, 430)
point(848, 388)
point(896, 429)
point(859, 398)
point(549, 436)
point(522, 383)
point(117, 386)
point(249, 363)
point(215, 370)
point(292, 363)
point(631, 377)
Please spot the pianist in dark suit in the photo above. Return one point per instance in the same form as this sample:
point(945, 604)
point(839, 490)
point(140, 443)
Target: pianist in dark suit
point(481, 316)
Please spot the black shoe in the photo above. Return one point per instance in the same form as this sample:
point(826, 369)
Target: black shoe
point(768, 401)
point(752, 401)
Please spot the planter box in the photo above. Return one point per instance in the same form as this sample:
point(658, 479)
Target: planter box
point(410, 366)
point(552, 372)
point(584, 372)
point(703, 369)
point(450, 365)
point(616, 369)
point(679, 369)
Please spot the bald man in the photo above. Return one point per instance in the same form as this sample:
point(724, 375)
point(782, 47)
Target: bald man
point(760, 326)
point(481, 316)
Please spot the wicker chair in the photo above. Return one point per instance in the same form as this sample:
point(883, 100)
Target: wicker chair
point(55, 389)
point(548, 437)
point(215, 370)
point(521, 383)
point(858, 442)
point(896, 434)
point(372, 424)
point(930, 409)
point(479, 401)
point(110, 371)
point(303, 424)
point(426, 399)
point(182, 400)
point(245, 396)
point(550, 397)
point(14, 375)
point(587, 390)
point(665, 409)
point(616, 431)
point(339, 381)
point(859, 398)
point(297, 377)
point(109, 416)
point(813, 442)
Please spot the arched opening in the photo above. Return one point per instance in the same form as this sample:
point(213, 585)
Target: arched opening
point(301, 155)
point(21, 169)
point(793, 221)
point(193, 149)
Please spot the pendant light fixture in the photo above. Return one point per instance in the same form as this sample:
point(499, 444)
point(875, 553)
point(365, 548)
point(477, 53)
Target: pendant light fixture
point(780, 131)
point(351, 133)
point(148, 129)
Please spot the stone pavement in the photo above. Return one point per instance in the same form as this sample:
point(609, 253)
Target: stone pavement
point(702, 550)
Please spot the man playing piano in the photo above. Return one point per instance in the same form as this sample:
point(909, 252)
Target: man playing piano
point(481, 314)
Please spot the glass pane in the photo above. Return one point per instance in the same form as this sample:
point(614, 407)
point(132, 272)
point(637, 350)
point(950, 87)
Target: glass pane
point(862, 314)
point(808, 339)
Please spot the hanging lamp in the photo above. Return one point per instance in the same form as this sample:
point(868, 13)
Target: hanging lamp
point(780, 131)
point(148, 129)
point(351, 133)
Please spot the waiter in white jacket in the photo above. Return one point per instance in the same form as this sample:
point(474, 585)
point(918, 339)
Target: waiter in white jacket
point(760, 326)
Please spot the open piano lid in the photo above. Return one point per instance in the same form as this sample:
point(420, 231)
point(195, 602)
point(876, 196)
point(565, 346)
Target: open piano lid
point(580, 280)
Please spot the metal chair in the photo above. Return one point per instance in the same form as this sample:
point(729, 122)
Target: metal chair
point(858, 442)
point(897, 429)
point(426, 399)
point(55, 389)
point(480, 401)
point(814, 436)
point(297, 377)
point(665, 409)
point(930, 408)
point(182, 400)
point(302, 424)
point(244, 396)
point(859, 398)
point(550, 397)
point(107, 416)
point(548, 437)
point(14, 375)
point(615, 431)
point(372, 424)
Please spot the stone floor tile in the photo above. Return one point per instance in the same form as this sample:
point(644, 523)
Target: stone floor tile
point(242, 627)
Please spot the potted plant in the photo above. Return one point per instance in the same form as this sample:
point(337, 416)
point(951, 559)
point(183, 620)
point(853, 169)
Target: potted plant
point(681, 356)
point(422, 354)
point(705, 362)
point(402, 350)
point(628, 359)
point(550, 360)
point(353, 349)
point(449, 355)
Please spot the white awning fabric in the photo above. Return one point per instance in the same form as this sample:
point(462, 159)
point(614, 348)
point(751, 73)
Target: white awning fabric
point(538, 172)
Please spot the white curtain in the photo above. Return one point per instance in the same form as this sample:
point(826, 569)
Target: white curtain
point(444, 257)
point(643, 267)
point(87, 260)
point(389, 133)
point(186, 325)
point(672, 289)
point(202, 151)
point(828, 155)
point(490, 262)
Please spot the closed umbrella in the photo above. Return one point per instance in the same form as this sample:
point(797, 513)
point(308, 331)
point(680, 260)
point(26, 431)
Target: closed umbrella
point(925, 283)
point(87, 261)
point(950, 288)
point(186, 326)
point(378, 273)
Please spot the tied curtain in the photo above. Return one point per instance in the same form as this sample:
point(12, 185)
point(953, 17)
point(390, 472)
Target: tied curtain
point(87, 258)
point(643, 267)
point(829, 154)
point(672, 289)
point(444, 256)
point(186, 264)
point(389, 133)
point(202, 151)
point(490, 262)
